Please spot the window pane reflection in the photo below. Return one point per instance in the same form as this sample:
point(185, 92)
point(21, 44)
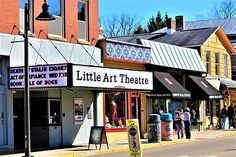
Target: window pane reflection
point(54, 7)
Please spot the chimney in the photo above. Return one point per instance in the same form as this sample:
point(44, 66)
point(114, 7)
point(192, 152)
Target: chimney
point(180, 24)
point(101, 33)
point(170, 26)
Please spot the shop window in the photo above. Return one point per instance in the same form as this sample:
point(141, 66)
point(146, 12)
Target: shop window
point(115, 110)
point(217, 64)
point(158, 105)
point(175, 105)
point(225, 65)
point(208, 66)
point(56, 8)
point(83, 20)
point(44, 112)
point(194, 107)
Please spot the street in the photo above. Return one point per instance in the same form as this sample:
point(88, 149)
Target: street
point(220, 147)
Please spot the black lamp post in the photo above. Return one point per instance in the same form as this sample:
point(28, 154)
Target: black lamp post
point(44, 16)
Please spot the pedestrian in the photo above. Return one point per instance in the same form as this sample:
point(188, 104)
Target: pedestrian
point(187, 123)
point(231, 114)
point(179, 124)
point(223, 115)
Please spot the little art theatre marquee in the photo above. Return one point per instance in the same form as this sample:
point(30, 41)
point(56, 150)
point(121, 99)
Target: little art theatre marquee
point(67, 99)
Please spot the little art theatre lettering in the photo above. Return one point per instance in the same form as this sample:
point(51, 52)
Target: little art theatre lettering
point(123, 78)
point(111, 78)
point(39, 76)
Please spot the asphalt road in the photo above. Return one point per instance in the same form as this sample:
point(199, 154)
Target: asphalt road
point(220, 147)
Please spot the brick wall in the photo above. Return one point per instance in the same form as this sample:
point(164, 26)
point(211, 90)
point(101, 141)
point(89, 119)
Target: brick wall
point(9, 16)
point(93, 20)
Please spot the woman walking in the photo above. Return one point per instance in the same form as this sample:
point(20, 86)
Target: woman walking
point(179, 124)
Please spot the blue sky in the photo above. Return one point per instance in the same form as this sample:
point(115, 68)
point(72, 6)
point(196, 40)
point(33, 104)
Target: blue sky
point(144, 9)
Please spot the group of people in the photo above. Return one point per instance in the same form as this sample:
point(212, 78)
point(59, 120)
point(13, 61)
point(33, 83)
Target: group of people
point(182, 121)
point(230, 113)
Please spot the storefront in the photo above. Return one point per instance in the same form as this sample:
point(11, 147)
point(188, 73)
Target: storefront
point(59, 111)
point(168, 94)
point(210, 98)
point(131, 103)
point(121, 91)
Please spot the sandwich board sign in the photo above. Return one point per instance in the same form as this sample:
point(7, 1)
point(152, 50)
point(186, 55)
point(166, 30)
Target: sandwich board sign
point(98, 136)
point(133, 137)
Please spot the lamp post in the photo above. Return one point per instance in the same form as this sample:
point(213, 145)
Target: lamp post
point(44, 16)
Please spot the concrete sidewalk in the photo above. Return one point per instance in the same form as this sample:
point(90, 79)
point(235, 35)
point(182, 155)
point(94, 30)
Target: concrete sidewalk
point(122, 145)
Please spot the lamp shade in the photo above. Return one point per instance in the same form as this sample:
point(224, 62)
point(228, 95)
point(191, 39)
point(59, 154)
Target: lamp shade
point(44, 15)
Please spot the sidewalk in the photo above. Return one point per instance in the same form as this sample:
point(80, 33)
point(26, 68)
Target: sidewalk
point(120, 146)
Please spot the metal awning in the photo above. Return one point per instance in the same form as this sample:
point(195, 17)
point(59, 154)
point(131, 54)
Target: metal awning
point(228, 83)
point(166, 86)
point(171, 56)
point(201, 89)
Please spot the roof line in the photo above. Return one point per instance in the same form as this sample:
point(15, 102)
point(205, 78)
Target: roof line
point(213, 19)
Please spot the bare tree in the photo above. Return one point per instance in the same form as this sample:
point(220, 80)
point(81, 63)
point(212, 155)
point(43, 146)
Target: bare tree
point(224, 9)
point(120, 24)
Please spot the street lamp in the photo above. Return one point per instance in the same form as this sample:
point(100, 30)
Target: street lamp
point(44, 16)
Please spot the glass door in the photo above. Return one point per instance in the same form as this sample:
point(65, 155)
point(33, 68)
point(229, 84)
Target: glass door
point(135, 108)
point(54, 121)
point(54, 112)
point(135, 105)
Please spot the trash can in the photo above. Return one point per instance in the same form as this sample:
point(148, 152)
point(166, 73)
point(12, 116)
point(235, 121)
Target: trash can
point(166, 127)
point(154, 128)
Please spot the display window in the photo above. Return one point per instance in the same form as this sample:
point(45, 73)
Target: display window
point(158, 105)
point(116, 110)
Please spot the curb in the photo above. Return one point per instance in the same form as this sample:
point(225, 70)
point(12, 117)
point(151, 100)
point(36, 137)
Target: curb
point(229, 134)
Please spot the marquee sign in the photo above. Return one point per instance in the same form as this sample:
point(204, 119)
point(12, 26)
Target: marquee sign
point(84, 76)
point(39, 76)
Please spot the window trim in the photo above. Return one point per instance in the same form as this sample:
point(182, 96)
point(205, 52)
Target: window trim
point(225, 65)
point(86, 2)
point(218, 64)
point(209, 62)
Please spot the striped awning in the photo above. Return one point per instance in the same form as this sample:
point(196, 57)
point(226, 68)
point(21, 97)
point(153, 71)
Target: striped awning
point(174, 56)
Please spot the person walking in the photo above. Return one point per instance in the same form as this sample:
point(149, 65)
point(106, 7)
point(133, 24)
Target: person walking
point(179, 124)
point(231, 114)
point(187, 123)
point(223, 115)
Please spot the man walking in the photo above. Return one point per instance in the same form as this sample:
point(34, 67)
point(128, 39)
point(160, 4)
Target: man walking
point(224, 114)
point(231, 114)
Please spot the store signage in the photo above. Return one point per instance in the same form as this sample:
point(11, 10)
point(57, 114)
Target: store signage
point(84, 76)
point(39, 76)
point(134, 137)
